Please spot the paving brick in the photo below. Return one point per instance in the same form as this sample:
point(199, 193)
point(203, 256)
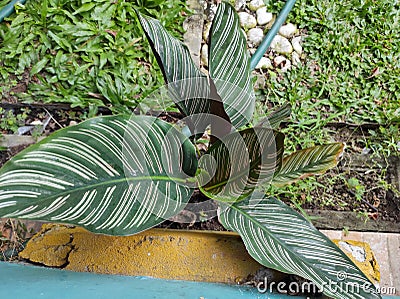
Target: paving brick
point(386, 248)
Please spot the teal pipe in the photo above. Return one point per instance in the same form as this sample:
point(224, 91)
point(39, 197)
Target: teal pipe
point(271, 34)
point(9, 9)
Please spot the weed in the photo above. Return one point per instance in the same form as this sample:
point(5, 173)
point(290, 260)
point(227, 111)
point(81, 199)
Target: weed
point(11, 121)
point(85, 54)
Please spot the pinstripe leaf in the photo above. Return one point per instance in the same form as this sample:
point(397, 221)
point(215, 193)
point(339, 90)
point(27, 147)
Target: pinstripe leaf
point(307, 162)
point(229, 65)
point(280, 238)
point(111, 175)
point(238, 162)
point(274, 119)
point(188, 86)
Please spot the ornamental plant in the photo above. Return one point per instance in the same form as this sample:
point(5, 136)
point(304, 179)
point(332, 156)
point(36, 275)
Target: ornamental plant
point(120, 175)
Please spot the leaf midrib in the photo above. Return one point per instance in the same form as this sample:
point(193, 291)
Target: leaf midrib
point(304, 170)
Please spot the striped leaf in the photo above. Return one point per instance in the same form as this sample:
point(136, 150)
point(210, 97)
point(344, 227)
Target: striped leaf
point(238, 162)
point(308, 162)
point(274, 119)
point(188, 86)
point(229, 65)
point(111, 175)
point(280, 238)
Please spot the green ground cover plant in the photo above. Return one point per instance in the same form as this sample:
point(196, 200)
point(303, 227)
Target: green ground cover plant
point(350, 75)
point(84, 53)
point(352, 66)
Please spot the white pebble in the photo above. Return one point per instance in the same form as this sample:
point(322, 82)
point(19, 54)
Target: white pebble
point(247, 20)
point(239, 4)
point(282, 62)
point(288, 30)
point(263, 17)
point(255, 36)
point(256, 4)
point(37, 123)
point(295, 58)
point(296, 43)
point(281, 45)
point(264, 63)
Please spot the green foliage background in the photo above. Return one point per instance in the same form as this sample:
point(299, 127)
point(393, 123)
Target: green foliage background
point(86, 53)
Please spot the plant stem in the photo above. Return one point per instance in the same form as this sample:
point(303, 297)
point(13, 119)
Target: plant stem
point(271, 33)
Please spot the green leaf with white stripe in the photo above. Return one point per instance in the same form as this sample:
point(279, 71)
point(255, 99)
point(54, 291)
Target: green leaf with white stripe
point(274, 119)
point(229, 65)
point(237, 163)
point(188, 86)
point(111, 175)
point(280, 238)
point(308, 162)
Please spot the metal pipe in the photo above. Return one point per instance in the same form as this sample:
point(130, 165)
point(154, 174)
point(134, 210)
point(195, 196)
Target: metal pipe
point(9, 9)
point(271, 33)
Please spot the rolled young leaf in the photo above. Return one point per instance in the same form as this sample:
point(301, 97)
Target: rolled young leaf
point(229, 65)
point(111, 175)
point(237, 163)
point(308, 162)
point(280, 238)
point(274, 119)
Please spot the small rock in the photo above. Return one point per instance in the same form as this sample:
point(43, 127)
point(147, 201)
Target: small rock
point(281, 45)
point(72, 123)
point(247, 20)
point(210, 11)
point(204, 55)
point(287, 66)
point(37, 123)
point(278, 60)
point(256, 4)
point(255, 36)
point(356, 251)
point(260, 82)
point(296, 58)
point(206, 30)
point(264, 63)
point(282, 62)
point(296, 43)
point(239, 4)
point(365, 151)
point(263, 17)
point(288, 30)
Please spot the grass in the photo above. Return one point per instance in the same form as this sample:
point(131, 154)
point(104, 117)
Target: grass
point(351, 75)
point(84, 53)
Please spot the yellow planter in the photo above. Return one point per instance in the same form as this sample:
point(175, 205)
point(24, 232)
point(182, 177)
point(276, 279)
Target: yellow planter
point(162, 253)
